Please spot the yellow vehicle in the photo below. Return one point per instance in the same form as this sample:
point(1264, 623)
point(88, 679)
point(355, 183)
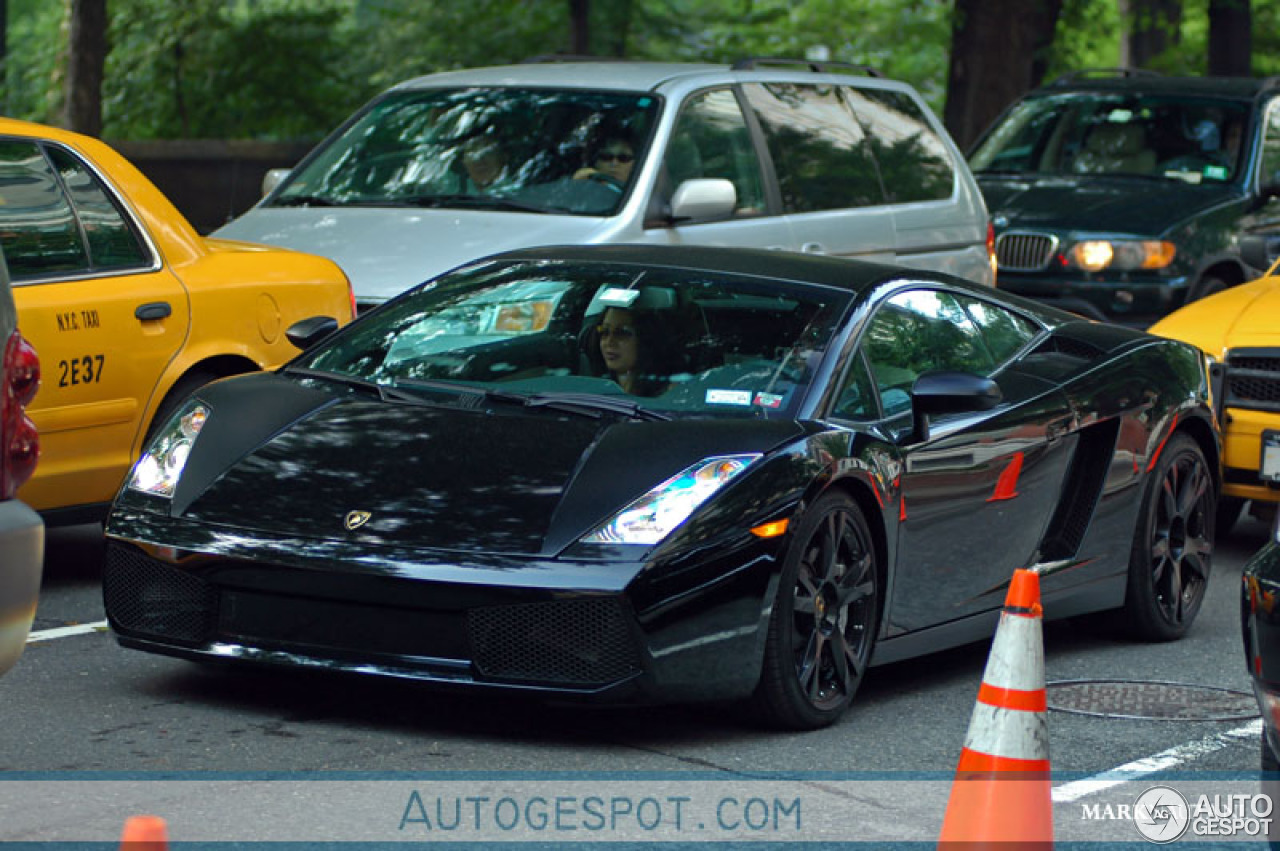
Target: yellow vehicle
point(1239, 329)
point(130, 308)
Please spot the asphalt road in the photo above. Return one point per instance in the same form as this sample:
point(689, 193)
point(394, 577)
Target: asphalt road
point(80, 703)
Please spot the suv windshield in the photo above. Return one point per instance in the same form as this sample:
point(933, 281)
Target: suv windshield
point(1191, 139)
point(532, 150)
point(670, 341)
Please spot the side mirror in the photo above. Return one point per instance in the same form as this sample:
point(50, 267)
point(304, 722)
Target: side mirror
point(305, 333)
point(703, 198)
point(272, 179)
point(1255, 250)
point(950, 393)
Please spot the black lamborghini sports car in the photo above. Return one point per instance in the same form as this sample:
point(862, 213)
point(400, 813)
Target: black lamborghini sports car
point(820, 466)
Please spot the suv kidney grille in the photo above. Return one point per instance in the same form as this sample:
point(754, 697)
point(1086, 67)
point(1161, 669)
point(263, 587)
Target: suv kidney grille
point(1025, 252)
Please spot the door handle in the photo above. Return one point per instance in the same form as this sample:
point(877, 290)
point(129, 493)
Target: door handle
point(153, 310)
point(813, 248)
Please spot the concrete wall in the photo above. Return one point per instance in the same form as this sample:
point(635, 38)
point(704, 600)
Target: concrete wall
point(210, 180)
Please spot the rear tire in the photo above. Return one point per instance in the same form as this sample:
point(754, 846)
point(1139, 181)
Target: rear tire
point(1172, 552)
point(824, 619)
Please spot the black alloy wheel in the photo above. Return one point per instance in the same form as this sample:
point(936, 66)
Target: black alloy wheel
point(824, 619)
point(1172, 552)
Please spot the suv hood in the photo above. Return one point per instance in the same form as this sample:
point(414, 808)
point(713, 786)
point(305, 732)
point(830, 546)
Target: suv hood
point(1065, 203)
point(386, 250)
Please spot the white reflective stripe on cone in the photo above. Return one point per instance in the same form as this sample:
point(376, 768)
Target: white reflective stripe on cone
point(1008, 733)
point(1017, 656)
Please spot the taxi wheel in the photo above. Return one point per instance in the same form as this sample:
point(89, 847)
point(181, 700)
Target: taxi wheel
point(824, 619)
point(1172, 551)
point(178, 393)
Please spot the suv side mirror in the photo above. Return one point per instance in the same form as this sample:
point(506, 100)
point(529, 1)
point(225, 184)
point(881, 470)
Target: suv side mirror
point(305, 333)
point(272, 179)
point(1256, 250)
point(703, 198)
point(950, 393)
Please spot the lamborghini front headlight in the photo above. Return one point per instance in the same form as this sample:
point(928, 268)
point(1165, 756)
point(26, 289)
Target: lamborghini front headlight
point(160, 467)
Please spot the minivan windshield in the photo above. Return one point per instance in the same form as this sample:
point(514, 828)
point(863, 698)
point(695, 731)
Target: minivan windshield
point(1192, 139)
point(493, 148)
point(668, 342)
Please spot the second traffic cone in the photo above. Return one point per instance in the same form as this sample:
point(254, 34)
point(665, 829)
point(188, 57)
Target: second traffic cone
point(1001, 793)
point(144, 833)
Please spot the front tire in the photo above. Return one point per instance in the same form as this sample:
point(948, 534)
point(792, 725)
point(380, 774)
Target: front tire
point(824, 618)
point(1172, 552)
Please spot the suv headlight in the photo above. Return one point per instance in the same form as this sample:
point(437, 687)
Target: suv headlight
point(1123, 255)
point(652, 517)
point(158, 470)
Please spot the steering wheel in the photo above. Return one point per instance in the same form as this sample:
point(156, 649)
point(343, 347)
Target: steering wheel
point(605, 180)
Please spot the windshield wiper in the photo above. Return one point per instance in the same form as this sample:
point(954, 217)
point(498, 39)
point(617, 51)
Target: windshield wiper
point(463, 389)
point(484, 202)
point(384, 392)
point(592, 404)
point(305, 201)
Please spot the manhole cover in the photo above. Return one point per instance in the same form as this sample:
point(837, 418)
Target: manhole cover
point(1161, 701)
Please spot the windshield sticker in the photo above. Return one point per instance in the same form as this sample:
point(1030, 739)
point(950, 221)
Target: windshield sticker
point(769, 400)
point(728, 397)
point(619, 297)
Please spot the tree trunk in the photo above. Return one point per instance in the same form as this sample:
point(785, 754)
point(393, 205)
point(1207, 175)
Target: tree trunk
point(86, 60)
point(1230, 38)
point(579, 27)
point(1151, 28)
point(998, 50)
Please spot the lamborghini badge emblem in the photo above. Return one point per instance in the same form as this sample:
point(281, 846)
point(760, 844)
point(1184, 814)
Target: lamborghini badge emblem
point(356, 519)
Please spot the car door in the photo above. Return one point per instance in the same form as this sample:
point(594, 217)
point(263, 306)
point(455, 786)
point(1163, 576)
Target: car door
point(977, 491)
point(97, 303)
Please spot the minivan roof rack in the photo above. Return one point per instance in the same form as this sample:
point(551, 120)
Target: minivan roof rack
point(1095, 73)
point(751, 63)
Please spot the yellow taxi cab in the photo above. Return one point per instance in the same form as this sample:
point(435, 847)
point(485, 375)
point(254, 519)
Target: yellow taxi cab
point(130, 308)
point(1239, 329)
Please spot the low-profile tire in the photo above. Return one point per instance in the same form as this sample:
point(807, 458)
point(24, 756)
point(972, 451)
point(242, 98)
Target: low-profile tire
point(824, 619)
point(1172, 552)
point(178, 393)
point(1207, 286)
point(1226, 516)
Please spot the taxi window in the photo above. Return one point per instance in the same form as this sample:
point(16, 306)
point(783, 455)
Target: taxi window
point(38, 230)
point(113, 244)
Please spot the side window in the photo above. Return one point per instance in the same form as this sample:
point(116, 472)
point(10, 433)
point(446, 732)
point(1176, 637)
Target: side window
point(914, 161)
point(915, 332)
point(821, 154)
point(38, 230)
point(1271, 145)
point(857, 401)
point(113, 244)
point(710, 139)
point(1003, 332)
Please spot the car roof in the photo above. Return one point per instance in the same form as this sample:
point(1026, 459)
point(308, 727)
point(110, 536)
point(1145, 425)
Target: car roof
point(631, 76)
point(852, 275)
point(1153, 83)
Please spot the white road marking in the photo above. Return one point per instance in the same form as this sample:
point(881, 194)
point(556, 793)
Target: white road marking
point(65, 631)
point(1162, 761)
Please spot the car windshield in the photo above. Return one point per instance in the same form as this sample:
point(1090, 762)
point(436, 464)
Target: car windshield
point(528, 150)
point(1191, 139)
point(660, 340)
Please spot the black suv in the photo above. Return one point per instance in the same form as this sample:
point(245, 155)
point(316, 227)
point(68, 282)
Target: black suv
point(1122, 194)
point(21, 530)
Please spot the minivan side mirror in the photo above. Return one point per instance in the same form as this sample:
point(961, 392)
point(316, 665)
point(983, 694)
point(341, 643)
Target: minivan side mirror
point(305, 333)
point(703, 198)
point(950, 393)
point(272, 179)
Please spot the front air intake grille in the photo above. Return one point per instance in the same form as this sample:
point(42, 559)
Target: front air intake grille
point(1253, 379)
point(1025, 252)
point(580, 642)
point(149, 598)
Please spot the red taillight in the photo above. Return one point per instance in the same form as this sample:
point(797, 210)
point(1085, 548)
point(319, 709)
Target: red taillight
point(19, 443)
point(991, 250)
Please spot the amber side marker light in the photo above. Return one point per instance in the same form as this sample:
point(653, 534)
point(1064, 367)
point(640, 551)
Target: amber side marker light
point(770, 530)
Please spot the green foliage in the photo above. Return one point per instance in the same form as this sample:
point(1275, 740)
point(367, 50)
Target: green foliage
point(35, 59)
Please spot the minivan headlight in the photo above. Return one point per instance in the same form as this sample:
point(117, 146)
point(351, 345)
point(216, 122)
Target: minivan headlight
point(160, 467)
point(1094, 255)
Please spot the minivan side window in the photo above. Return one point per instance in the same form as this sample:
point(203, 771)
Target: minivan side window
point(113, 244)
point(38, 230)
point(913, 159)
point(1271, 146)
point(711, 139)
point(820, 153)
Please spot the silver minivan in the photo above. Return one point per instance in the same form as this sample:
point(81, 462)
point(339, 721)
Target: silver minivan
point(453, 166)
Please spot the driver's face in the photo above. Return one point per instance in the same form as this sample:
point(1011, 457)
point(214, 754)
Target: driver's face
point(616, 159)
point(618, 341)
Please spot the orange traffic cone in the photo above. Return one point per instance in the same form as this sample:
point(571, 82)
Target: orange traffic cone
point(144, 833)
point(1001, 793)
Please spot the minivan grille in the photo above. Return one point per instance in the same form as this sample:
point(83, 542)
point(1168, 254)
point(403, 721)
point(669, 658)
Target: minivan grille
point(1025, 252)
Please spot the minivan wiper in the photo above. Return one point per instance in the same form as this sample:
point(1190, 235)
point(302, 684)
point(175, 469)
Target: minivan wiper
point(305, 201)
point(483, 202)
point(590, 402)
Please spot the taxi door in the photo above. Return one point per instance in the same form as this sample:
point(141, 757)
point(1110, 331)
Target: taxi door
point(103, 313)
